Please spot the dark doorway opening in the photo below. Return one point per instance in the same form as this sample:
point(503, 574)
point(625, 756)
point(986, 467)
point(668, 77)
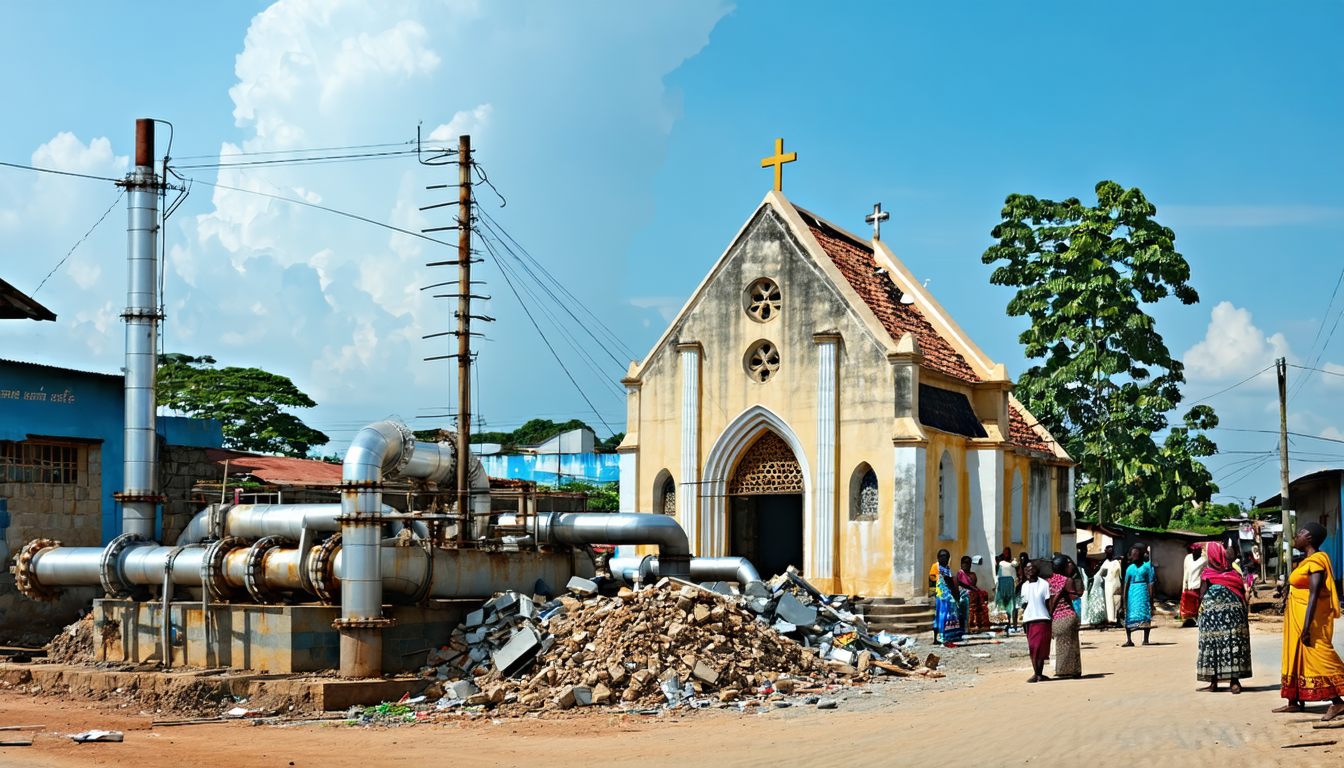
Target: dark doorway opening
point(768, 531)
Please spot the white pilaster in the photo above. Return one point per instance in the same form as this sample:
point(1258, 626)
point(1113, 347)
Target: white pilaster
point(688, 494)
point(984, 469)
point(908, 568)
point(629, 482)
point(823, 542)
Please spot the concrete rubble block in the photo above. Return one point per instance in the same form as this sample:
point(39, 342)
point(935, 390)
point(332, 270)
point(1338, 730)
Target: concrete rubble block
point(475, 636)
point(581, 586)
point(785, 686)
point(865, 660)
point(618, 673)
point(460, 689)
point(790, 609)
point(842, 655)
point(931, 661)
point(474, 619)
point(566, 698)
point(518, 652)
point(583, 696)
point(506, 603)
point(527, 609)
point(601, 694)
point(708, 674)
point(701, 614)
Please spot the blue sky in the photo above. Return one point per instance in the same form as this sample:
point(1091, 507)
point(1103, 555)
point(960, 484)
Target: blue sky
point(627, 141)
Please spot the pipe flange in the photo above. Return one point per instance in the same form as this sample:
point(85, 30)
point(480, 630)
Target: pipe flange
point(25, 578)
point(421, 595)
point(407, 448)
point(363, 623)
point(322, 572)
point(212, 568)
point(109, 567)
point(217, 521)
point(254, 569)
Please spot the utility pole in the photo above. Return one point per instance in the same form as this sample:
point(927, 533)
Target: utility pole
point(1286, 515)
point(463, 336)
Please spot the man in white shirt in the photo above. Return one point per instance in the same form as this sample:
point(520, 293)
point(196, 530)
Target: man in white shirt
point(1190, 583)
point(1036, 619)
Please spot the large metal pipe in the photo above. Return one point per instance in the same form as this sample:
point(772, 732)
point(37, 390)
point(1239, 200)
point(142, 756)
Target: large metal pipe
point(647, 569)
point(579, 528)
point(140, 484)
point(253, 521)
point(379, 451)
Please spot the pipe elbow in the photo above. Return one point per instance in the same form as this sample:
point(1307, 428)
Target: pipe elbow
point(378, 450)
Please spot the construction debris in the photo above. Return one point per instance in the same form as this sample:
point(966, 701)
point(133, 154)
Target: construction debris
point(668, 645)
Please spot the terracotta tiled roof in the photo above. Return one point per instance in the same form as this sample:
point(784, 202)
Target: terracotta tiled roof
point(277, 470)
point(1023, 435)
point(856, 262)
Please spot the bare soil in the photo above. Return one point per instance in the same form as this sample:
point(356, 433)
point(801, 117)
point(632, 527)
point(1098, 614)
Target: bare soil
point(1134, 704)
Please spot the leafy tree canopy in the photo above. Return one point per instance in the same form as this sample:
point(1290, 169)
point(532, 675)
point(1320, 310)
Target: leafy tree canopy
point(248, 401)
point(1106, 381)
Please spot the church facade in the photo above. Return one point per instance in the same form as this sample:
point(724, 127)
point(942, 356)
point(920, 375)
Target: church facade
point(813, 405)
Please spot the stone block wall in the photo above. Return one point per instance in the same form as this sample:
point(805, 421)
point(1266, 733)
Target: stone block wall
point(180, 468)
point(72, 514)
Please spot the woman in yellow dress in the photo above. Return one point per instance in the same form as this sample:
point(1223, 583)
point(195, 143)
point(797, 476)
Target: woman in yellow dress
point(1312, 670)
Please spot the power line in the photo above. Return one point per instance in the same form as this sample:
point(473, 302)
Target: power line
point(305, 203)
point(293, 151)
point(1325, 317)
point(82, 239)
point(59, 173)
point(301, 160)
point(1275, 432)
point(547, 342)
point(1234, 386)
point(1318, 370)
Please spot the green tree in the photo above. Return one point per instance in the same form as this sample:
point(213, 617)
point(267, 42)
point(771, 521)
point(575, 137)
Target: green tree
point(1106, 382)
point(248, 401)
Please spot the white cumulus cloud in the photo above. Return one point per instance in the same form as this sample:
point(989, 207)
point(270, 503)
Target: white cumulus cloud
point(1232, 347)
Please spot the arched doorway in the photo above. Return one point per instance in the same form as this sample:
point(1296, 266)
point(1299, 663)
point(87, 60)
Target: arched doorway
point(765, 520)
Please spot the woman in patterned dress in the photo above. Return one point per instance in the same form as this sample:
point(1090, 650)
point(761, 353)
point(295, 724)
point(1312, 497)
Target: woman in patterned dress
point(1094, 602)
point(1064, 627)
point(947, 626)
point(1224, 634)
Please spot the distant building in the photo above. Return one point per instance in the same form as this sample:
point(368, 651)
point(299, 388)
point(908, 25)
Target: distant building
point(563, 458)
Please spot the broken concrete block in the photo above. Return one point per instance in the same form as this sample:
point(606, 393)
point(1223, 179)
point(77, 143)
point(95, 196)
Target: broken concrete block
point(618, 673)
point(785, 686)
point(527, 609)
point(794, 612)
point(706, 673)
point(518, 652)
point(583, 696)
point(581, 586)
point(505, 603)
point(728, 694)
point(601, 694)
point(865, 660)
point(757, 589)
point(460, 689)
point(474, 619)
point(826, 704)
point(931, 661)
point(701, 613)
point(475, 636)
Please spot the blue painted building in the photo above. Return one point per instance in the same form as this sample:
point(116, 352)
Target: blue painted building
point(61, 451)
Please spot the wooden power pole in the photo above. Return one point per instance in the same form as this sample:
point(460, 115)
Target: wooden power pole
point(1288, 519)
point(463, 336)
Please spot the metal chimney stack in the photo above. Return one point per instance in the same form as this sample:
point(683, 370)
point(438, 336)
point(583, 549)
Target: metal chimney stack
point(140, 486)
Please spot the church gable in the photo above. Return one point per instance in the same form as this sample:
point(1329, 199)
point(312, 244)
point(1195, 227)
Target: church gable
point(857, 263)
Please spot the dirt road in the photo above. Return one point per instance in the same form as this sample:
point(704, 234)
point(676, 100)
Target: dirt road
point(1137, 704)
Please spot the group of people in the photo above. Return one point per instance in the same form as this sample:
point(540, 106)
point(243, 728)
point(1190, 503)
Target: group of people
point(1216, 599)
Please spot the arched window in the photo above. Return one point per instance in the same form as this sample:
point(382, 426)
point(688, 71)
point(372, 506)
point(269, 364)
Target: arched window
point(665, 494)
point(947, 498)
point(863, 494)
point(1015, 510)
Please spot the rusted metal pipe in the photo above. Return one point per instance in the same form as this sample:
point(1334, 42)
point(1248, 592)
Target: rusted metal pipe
point(577, 529)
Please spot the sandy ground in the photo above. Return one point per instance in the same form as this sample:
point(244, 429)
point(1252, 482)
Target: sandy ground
point(1135, 704)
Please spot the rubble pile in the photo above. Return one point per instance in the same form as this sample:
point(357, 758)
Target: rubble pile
point(667, 644)
point(74, 644)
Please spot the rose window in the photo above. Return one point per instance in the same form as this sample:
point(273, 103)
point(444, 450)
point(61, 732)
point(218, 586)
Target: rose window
point(763, 361)
point(763, 300)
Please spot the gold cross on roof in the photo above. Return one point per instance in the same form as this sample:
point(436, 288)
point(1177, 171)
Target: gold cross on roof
point(778, 161)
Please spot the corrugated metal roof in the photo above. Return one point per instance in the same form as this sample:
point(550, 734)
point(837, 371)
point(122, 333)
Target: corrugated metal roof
point(277, 470)
point(17, 305)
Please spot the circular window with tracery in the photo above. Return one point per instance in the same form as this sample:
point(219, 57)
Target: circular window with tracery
point(762, 300)
point(762, 361)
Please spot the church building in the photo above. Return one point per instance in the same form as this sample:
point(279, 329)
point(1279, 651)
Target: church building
point(813, 405)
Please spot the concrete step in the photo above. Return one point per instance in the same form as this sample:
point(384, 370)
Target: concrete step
point(903, 627)
point(882, 611)
point(870, 601)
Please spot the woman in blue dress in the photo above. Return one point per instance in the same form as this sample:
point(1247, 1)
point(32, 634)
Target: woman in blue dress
point(1136, 599)
point(947, 626)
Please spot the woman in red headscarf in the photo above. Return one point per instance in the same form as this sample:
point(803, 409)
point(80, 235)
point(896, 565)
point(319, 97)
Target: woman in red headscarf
point(1224, 634)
